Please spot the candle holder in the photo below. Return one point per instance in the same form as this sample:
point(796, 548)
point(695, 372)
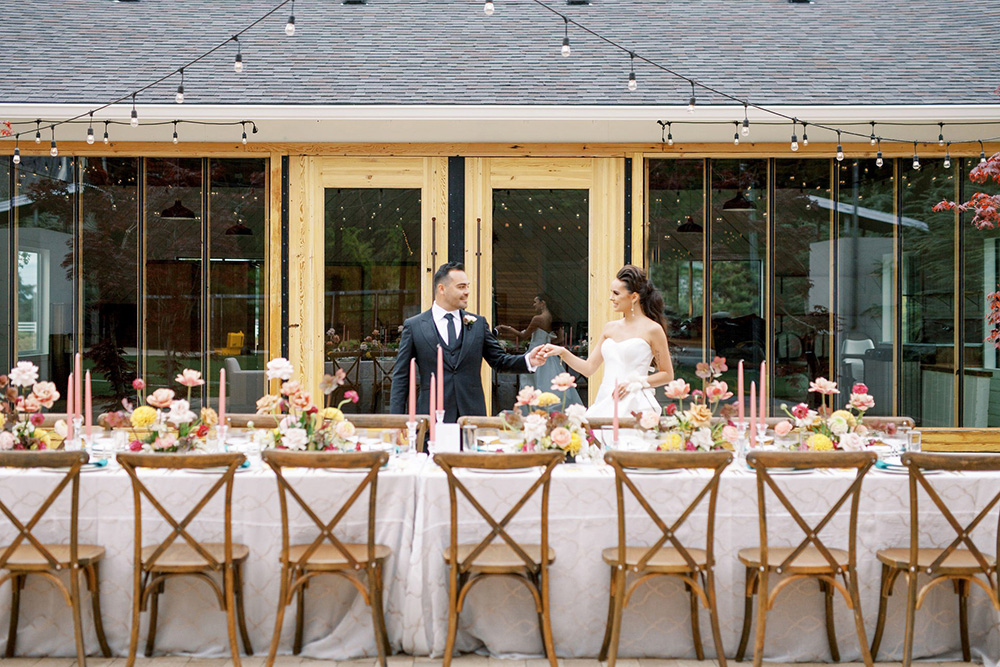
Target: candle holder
point(76, 442)
point(741, 440)
point(411, 437)
point(221, 435)
point(439, 416)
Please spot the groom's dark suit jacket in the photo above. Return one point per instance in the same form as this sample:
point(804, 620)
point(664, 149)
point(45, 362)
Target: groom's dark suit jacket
point(463, 389)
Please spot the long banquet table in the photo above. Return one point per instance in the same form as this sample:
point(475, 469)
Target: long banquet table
point(499, 617)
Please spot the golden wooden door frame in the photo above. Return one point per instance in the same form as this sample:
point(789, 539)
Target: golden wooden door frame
point(605, 180)
point(308, 179)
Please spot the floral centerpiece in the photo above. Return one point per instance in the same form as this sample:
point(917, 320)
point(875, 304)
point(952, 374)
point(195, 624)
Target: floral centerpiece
point(827, 429)
point(302, 425)
point(161, 422)
point(544, 429)
point(22, 398)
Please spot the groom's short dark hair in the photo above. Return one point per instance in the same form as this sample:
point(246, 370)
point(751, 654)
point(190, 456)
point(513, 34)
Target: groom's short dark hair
point(442, 273)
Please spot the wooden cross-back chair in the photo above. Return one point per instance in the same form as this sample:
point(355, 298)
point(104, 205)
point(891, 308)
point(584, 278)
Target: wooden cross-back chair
point(525, 563)
point(327, 554)
point(26, 554)
point(811, 559)
point(694, 566)
point(154, 564)
point(961, 566)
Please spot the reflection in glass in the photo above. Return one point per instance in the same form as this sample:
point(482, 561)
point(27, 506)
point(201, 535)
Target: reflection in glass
point(866, 292)
point(927, 283)
point(675, 254)
point(372, 284)
point(540, 248)
point(237, 280)
point(5, 240)
point(803, 215)
point(173, 270)
point(738, 264)
point(109, 273)
point(44, 218)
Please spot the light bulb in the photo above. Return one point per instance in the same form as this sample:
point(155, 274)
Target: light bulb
point(670, 139)
point(488, 8)
point(878, 159)
point(107, 139)
point(134, 122)
point(565, 47)
point(840, 153)
point(244, 137)
point(238, 63)
point(38, 137)
point(916, 162)
point(947, 162)
point(941, 137)
point(632, 85)
point(745, 130)
point(53, 149)
point(17, 156)
point(871, 140)
point(90, 135)
point(736, 138)
point(180, 95)
point(691, 103)
point(805, 138)
point(176, 140)
point(290, 26)
point(795, 143)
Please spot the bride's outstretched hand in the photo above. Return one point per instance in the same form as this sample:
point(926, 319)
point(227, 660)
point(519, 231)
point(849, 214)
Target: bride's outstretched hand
point(550, 350)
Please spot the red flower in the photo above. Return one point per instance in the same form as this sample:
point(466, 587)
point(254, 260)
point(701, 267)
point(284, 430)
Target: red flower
point(138, 384)
point(800, 411)
point(671, 409)
point(37, 418)
point(859, 388)
point(135, 445)
point(202, 430)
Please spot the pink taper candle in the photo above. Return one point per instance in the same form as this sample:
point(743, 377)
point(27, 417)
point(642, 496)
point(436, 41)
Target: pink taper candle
point(433, 405)
point(763, 394)
point(753, 412)
point(88, 407)
point(440, 381)
point(413, 390)
point(78, 374)
point(222, 396)
point(739, 393)
point(614, 420)
point(70, 408)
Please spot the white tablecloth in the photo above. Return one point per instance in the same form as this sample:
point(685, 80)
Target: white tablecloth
point(499, 617)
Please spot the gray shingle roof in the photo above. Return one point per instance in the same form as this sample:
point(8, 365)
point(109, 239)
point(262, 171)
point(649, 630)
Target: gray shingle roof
point(448, 51)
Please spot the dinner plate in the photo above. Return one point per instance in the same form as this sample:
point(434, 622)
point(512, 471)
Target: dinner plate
point(499, 471)
point(218, 470)
point(652, 471)
point(86, 467)
point(790, 471)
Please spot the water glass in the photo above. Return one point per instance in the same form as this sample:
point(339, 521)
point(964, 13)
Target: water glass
point(913, 441)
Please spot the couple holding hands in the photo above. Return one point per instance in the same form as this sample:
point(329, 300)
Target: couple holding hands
point(628, 348)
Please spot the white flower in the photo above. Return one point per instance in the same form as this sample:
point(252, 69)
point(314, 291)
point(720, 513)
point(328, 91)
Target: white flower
point(469, 319)
point(279, 368)
point(576, 413)
point(852, 442)
point(807, 420)
point(61, 429)
point(670, 422)
point(180, 413)
point(838, 425)
point(534, 427)
point(649, 419)
point(702, 438)
point(294, 438)
point(24, 374)
point(344, 430)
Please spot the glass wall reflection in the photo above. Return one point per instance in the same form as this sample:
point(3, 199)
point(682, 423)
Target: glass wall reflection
point(6, 209)
point(372, 284)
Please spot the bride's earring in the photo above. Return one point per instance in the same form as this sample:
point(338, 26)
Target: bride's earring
point(633, 309)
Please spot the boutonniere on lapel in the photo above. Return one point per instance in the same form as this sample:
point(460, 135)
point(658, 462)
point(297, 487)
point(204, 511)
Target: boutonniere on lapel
point(469, 319)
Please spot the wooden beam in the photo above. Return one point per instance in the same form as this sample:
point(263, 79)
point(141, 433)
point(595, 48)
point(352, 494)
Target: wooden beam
point(960, 439)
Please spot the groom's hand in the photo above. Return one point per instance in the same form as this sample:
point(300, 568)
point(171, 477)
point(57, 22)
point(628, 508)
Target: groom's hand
point(537, 357)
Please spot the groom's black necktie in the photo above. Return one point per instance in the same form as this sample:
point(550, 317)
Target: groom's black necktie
point(451, 328)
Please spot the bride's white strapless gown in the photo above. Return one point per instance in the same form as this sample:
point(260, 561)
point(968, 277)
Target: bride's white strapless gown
point(624, 361)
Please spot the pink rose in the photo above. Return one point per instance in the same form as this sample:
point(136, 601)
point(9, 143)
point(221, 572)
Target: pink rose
point(891, 428)
point(824, 386)
point(29, 404)
point(302, 400)
point(351, 396)
point(161, 398)
point(730, 433)
point(138, 384)
point(563, 382)
point(859, 388)
point(189, 378)
point(7, 440)
point(800, 411)
point(46, 393)
point(678, 390)
point(561, 437)
point(165, 441)
point(527, 396)
point(291, 388)
point(717, 391)
point(783, 428)
point(37, 418)
point(649, 419)
point(859, 402)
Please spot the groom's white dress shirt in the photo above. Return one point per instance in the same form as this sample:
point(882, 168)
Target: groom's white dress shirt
point(441, 322)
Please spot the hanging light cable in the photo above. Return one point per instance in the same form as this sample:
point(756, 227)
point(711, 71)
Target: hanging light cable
point(238, 63)
point(176, 139)
point(805, 137)
point(940, 134)
point(795, 140)
point(745, 130)
point(840, 148)
point(632, 84)
point(565, 46)
point(53, 149)
point(180, 89)
point(692, 101)
point(290, 26)
point(134, 121)
point(736, 134)
point(916, 160)
point(947, 156)
point(878, 156)
point(90, 129)
point(488, 7)
point(17, 149)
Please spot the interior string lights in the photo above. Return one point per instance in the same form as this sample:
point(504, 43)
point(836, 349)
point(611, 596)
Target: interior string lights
point(290, 26)
point(632, 85)
point(565, 45)
point(179, 98)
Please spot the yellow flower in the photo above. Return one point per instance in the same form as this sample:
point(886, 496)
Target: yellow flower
point(547, 399)
point(333, 414)
point(209, 417)
point(575, 443)
point(3, 420)
point(848, 417)
point(671, 443)
point(699, 415)
point(143, 416)
point(818, 442)
point(45, 437)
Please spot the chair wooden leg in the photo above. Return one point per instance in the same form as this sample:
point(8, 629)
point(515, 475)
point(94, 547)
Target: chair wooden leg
point(885, 589)
point(831, 630)
point(911, 612)
point(75, 604)
point(762, 595)
point(611, 617)
point(380, 582)
point(92, 572)
point(720, 651)
point(300, 612)
point(751, 586)
point(695, 628)
point(240, 615)
point(963, 617)
point(229, 578)
point(16, 583)
point(279, 620)
point(550, 647)
point(449, 645)
point(375, 599)
point(133, 642)
point(859, 621)
point(617, 613)
point(154, 605)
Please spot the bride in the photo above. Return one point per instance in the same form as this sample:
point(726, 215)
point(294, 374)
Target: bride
point(629, 345)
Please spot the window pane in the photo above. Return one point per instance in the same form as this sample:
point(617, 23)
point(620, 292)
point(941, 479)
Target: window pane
point(927, 277)
point(372, 284)
point(675, 254)
point(540, 249)
point(45, 265)
point(173, 242)
point(981, 260)
point(738, 264)
point(803, 216)
point(238, 281)
point(866, 299)
point(6, 207)
point(109, 272)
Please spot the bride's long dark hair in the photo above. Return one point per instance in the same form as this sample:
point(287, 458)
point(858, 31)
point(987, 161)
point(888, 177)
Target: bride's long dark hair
point(650, 299)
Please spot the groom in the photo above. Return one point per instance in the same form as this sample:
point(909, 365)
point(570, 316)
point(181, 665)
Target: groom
point(466, 340)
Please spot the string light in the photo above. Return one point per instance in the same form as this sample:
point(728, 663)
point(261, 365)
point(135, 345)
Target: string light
point(238, 63)
point(176, 139)
point(947, 156)
point(691, 102)
point(795, 139)
point(805, 137)
point(871, 139)
point(134, 122)
point(53, 149)
point(290, 26)
point(736, 134)
point(670, 137)
point(745, 130)
point(38, 132)
point(180, 89)
point(632, 84)
point(982, 153)
point(840, 149)
point(17, 149)
point(940, 134)
point(488, 7)
point(90, 129)
point(107, 139)
point(565, 46)
point(916, 160)
point(878, 156)
point(244, 133)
